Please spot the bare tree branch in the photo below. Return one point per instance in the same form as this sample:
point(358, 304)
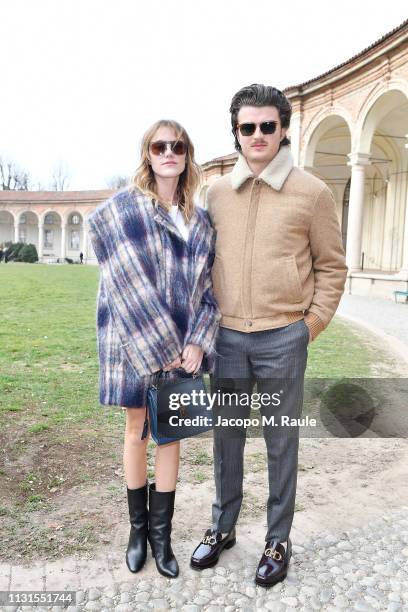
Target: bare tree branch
point(60, 176)
point(117, 182)
point(13, 178)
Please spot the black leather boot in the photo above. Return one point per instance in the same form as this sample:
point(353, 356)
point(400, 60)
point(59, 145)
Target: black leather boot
point(137, 548)
point(161, 509)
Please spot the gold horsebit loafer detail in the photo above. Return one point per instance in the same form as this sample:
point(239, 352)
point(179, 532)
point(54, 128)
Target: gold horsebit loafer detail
point(209, 539)
point(274, 554)
point(273, 566)
point(210, 548)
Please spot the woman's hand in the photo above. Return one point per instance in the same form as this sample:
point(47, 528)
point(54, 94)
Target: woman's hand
point(192, 357)
point(173, 365)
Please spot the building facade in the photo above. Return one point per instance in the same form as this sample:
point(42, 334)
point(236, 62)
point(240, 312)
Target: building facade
point(349, 127)
point(54, 221)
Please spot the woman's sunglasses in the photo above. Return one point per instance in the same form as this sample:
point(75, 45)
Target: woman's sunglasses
point(159, 147)
point(267, 127)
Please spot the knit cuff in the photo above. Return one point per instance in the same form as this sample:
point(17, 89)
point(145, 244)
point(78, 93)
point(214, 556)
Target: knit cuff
point(314, 323)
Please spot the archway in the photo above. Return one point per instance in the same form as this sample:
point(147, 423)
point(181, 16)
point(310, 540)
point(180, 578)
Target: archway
point(326, 156)
point(51, 235)
point(74, 235)
point(6, 227)
point(28, 228)
point(382, 135)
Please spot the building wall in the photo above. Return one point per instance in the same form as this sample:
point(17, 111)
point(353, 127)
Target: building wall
point(349, 127)
point(77, 203)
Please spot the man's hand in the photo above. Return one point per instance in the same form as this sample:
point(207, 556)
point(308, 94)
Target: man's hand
point(173, 365)
point(192, 357)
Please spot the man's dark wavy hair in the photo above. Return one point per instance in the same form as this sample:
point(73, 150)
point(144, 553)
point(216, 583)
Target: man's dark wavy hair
point(260, 95)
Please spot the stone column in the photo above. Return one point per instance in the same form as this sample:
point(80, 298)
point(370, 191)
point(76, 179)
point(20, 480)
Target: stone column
point(404, 268)
point(40, 239)
point(16, 236)
point(63, 237)
point(358, 161)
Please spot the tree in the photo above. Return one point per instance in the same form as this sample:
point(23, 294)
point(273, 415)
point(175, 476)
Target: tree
point(12, 177)
point(60, 177)
point(40, 187)
point(117, 182)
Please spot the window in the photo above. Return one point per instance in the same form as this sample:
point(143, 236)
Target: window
point(74, 240)
point(22, 234)
point(75, 219)
point(23, 218)
point(48, 238)
point(49, 219)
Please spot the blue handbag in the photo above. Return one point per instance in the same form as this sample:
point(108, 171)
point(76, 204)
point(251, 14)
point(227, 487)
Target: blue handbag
point(178, 408)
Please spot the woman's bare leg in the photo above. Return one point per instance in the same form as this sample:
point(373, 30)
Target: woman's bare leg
point(135, 449)
point(135, 456)
point(166, 466)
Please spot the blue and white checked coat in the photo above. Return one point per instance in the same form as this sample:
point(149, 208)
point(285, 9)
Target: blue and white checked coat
point(155, 292)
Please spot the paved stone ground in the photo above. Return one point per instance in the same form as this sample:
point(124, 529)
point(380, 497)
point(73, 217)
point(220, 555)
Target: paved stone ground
point(363, 569)
point(384, 315)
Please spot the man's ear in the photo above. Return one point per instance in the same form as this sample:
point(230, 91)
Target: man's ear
point(283, 133)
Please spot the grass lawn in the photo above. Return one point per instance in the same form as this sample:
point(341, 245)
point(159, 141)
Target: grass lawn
point(56, 440)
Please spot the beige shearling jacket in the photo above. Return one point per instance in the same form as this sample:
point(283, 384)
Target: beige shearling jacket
point(279, 254)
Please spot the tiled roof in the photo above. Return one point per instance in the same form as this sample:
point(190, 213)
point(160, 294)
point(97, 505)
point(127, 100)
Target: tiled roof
point(37, 197)
point(231, 156)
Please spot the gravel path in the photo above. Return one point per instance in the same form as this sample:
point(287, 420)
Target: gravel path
point(364, 568)
point(379, 313)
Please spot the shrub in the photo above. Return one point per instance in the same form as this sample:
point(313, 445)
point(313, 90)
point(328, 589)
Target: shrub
point(13, 251)
point(19, 251)
point(28, 253)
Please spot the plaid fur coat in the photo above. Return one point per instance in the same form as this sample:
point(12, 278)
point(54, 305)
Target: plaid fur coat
point(155, 292)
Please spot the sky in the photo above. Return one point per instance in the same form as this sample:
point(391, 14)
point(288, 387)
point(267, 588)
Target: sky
point(82, 80)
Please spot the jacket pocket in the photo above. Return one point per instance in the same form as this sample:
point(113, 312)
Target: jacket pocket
point(226, 286)
point(276, 286)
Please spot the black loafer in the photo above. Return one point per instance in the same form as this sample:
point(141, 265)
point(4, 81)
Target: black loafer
point(274, 563)
point(211, 546)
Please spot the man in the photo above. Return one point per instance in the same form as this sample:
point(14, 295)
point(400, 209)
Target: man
point(278, 276)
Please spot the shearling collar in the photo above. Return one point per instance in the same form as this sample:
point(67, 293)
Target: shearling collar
point(274, 175)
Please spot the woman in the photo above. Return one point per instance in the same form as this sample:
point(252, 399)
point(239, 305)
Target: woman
point(156, 311)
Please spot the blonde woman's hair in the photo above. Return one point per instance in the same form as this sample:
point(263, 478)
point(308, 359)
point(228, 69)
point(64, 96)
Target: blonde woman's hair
point(189, 179)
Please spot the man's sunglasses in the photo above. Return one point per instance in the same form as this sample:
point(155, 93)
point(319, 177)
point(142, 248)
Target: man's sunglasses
point(267, 127)
point(159, 147)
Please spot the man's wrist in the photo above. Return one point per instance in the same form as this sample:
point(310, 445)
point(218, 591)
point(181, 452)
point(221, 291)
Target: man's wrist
point(315, 325)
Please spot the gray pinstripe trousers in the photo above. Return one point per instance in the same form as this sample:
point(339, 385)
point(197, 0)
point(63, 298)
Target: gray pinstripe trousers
point(275, 360)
